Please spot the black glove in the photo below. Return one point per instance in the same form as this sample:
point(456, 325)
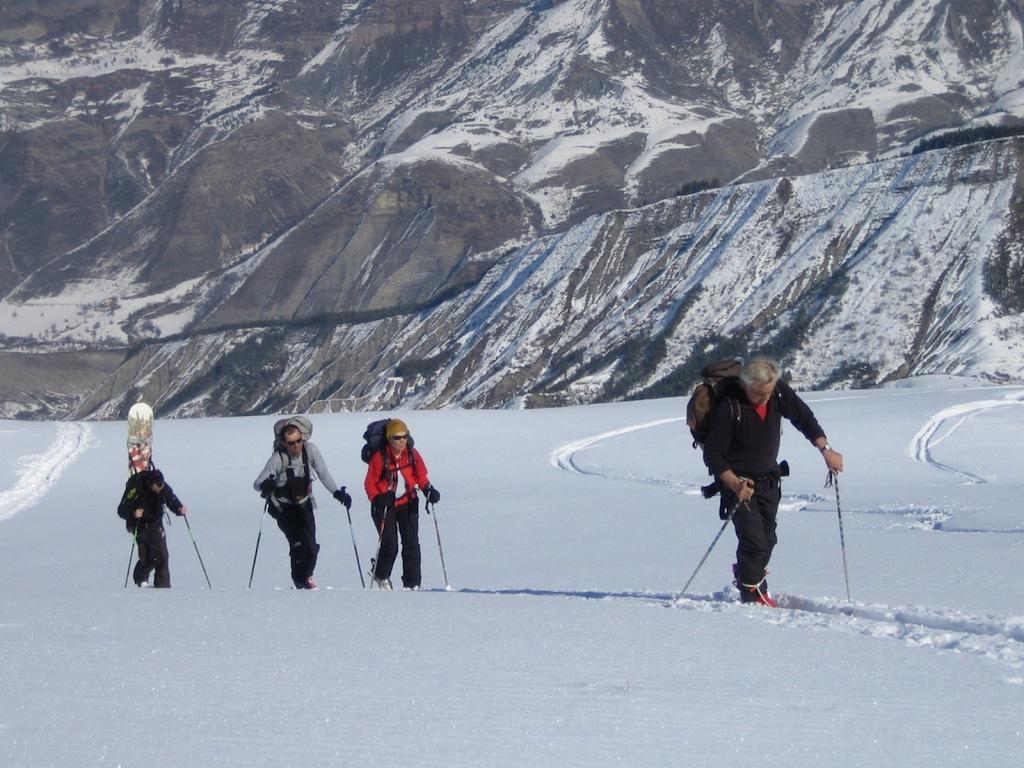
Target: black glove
point(382, 500)
point(267, 488)
point(342, 497)
point(432, 494)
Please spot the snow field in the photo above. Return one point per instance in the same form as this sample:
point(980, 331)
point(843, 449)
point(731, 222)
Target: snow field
point(567, 535)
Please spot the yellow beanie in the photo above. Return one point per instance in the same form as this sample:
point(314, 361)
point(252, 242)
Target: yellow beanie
point(396, 427)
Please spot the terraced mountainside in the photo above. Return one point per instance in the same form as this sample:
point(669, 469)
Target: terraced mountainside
point(263, 205)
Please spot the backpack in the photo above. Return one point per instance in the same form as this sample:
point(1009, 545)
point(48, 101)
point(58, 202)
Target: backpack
point(716, 380)
point(375, 438)
point(304, 425)
point(295, 487)
point(127, 503)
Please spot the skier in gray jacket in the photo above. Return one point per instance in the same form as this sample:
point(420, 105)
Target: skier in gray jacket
point(286, 482)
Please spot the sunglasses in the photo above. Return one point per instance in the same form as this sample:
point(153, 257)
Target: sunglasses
point(293, 442)
point(398, 437)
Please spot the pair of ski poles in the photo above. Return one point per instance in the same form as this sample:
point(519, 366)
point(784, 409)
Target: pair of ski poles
point(259, 536)
point(833, 481)
point(131, 555)
point(432, 511)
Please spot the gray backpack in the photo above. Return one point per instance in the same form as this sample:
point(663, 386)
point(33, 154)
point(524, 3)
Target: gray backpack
point(304, 425)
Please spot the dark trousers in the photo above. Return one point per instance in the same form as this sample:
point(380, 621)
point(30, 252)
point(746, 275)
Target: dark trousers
point(404, 519)
point(152, 543)
point(755, 524)
point(298, 525)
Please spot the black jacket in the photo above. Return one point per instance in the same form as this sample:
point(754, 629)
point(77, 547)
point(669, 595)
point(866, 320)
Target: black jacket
point(740, 441)
point(139, 494)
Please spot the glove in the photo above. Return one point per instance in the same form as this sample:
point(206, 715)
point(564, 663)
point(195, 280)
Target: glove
point(342, 497)
point(382, 500)
point(267, 488)
point(432, 494)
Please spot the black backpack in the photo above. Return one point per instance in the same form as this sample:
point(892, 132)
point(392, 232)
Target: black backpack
point(716, 381)
point(375, 438)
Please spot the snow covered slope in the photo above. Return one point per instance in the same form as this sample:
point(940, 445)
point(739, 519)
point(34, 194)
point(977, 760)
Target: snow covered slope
point(567, 535)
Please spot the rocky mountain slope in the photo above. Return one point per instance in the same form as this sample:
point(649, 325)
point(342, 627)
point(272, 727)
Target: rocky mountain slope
point(231, 208)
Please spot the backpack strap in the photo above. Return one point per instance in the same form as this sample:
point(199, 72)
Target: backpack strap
point(387, 469)
point(736, 411)
point(290, 473)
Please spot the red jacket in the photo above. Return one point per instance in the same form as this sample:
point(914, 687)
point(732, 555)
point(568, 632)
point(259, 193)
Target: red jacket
point(388, 472)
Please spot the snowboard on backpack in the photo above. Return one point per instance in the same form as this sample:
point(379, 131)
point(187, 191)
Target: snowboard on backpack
point(140, 438)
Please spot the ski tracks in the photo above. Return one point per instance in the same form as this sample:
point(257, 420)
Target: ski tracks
point(563, 456)
point(38, 472)
point(993, 636)
point(929, 436)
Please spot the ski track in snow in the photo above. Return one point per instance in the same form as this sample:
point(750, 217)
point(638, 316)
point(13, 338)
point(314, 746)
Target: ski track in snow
point(562, 457)
point(993, 636)
point(40, 471)
point(928, 437)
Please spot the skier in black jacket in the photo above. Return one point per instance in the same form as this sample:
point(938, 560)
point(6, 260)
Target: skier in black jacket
point(142, 508)
point(742, 450)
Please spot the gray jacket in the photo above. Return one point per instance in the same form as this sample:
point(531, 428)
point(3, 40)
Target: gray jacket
point(279, 463)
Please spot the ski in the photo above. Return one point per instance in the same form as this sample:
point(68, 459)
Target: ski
point(140, 438)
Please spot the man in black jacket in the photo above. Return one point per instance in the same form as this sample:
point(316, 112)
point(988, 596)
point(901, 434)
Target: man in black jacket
point(142, 508)
point(742, 450)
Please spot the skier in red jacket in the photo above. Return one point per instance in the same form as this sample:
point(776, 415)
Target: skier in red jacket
point(394, 474)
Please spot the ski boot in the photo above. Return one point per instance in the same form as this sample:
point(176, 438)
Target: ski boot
point(754, 593)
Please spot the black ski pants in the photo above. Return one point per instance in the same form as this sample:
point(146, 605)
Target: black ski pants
point(755, 524)
point(298, 525)
point(152, 544)
point(404, 519)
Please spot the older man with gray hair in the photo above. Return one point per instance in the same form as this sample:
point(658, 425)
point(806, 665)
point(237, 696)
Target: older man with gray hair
point(742, 451)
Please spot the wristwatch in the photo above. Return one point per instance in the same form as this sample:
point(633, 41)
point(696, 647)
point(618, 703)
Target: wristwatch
point(825, 447)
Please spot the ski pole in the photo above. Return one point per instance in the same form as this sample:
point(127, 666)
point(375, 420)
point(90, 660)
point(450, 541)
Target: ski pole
point(380, 542)
point(258, 537)
point(728, 517)
point(355, 549)
point(196, 547)
point(833, 480)
point(440, 549)
point(131, 556)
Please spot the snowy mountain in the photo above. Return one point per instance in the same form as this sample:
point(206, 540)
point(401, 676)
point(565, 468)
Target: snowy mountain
point(237, 209)
point(568, 535)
